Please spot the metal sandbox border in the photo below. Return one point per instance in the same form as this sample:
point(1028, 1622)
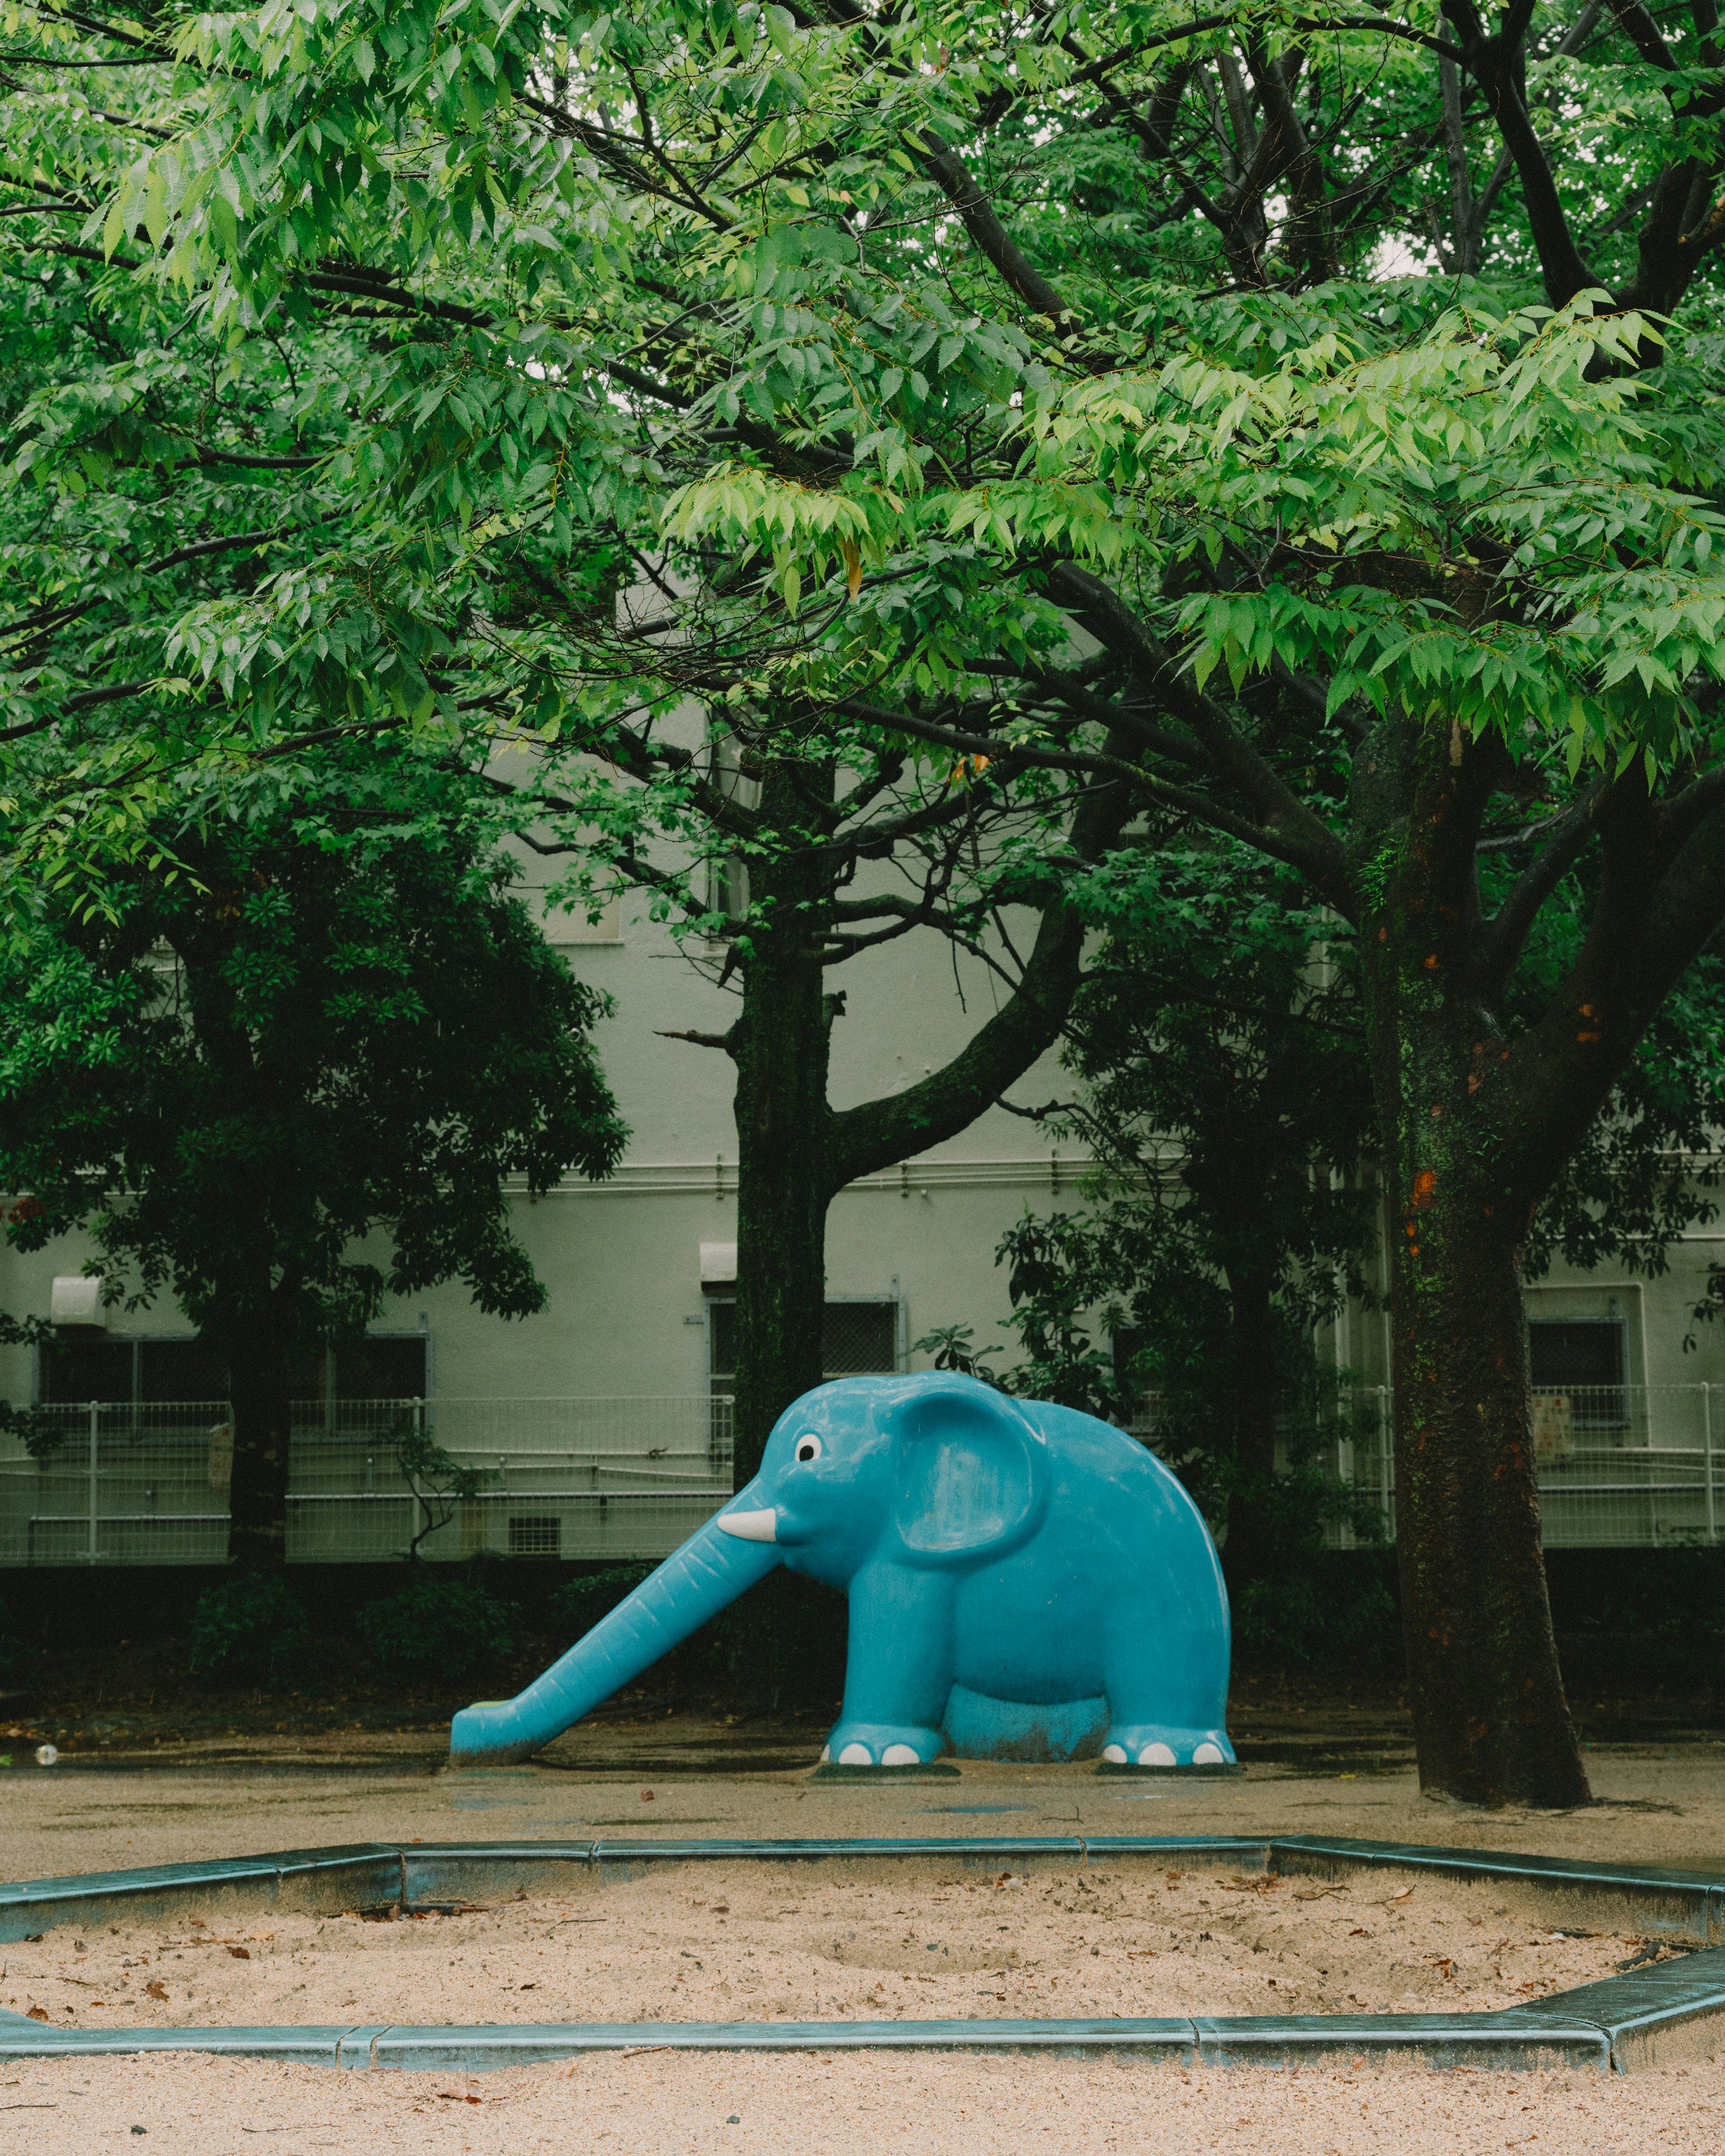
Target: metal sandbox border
point(1667, 2011)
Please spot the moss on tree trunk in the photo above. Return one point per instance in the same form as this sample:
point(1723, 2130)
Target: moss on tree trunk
point(1462, 1155)
point(1494, 1726)
point(780, 1047)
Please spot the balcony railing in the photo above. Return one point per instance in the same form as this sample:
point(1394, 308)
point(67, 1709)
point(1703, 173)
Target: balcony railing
point(148, 1484)
point(1620, 1467)
point(1628, 1466)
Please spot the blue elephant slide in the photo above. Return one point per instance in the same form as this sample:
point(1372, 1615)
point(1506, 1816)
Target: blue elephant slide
point(1024, 1583)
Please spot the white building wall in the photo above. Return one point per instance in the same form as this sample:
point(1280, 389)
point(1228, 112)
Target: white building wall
point(621, 1259)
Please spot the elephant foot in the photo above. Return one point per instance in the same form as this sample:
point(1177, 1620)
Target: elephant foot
point(882, 1744)
point(1157, 1744)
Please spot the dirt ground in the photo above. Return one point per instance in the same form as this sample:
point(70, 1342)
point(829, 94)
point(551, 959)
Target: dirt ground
point(1662, 1799)
point(729, 1941)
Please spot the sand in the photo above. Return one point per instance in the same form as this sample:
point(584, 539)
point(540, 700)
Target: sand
point(1664, 1805)
point(649, 2104)
point(733, 1941)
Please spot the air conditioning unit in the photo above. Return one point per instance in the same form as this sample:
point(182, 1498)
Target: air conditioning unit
point(77, 1299)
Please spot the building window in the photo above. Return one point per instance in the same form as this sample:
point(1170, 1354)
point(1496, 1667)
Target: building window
point(1580, 1360)
point(535, 1534)
point(139, 1371)
point(80, 1370)
point(181, 1370)
point(857, 1336)
point(382, 1366)
point(727, 887)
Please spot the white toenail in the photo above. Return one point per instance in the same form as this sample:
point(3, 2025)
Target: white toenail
point(1115, 1754)
point(899, 1755)
point(856, 1755)
point(826, 1753)
point(1208, 1755)
point(1157, 1755)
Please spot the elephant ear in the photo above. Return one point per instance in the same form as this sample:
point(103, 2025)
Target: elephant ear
point(970, 1471)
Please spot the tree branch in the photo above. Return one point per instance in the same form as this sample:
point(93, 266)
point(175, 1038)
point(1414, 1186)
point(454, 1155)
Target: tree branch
point(1503, 936)
point(1494, 63)
point(872, 1135)
point(1299, 834)
point(1014, 267)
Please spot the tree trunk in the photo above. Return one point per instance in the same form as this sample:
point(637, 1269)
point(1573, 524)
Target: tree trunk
point(1492, 1725)
point(780, 1048)
point(1248, 1554)
point(258, 1381)
point(1492, 1721)
point(794, 1153)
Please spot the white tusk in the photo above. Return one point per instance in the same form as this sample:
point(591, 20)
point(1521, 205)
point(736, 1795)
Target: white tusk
point(752, 1527)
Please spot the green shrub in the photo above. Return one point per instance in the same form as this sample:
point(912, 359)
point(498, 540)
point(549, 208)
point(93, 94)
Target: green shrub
point(1336, 1610)
point(437, 1628)
point(18, 1658)
point(579, 1604)
point(782, 1644)
point(248, 1630)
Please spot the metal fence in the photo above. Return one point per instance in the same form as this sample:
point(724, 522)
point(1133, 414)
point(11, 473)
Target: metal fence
point(1628, 1466)
point(147, 1484)
point(1620, 1467)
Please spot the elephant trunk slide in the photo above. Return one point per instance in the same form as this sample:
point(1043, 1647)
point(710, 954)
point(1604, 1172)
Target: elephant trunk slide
point(693, 1585)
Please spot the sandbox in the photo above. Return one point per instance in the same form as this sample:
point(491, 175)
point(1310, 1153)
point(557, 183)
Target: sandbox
point(703, 1943)
point(1222, 1950)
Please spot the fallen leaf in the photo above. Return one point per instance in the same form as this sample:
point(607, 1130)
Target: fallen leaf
point(1401, 1894)
point(240, 1953)
point(36, 2013)
point(157, 1988)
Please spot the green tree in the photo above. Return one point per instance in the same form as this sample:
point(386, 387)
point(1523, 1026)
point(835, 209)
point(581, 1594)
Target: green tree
point(337, 1023)
point(792, 866)
point(1225, 1096)
point(938, 347)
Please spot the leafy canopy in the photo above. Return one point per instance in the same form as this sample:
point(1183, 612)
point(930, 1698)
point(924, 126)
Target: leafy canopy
point(426, 324)
point(336, 1024)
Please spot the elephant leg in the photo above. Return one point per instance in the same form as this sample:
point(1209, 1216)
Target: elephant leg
point(1167, 1693)
point(898, 1670)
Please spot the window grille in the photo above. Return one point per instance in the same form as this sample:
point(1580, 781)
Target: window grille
point(1576, 1368)
point(856, 1337)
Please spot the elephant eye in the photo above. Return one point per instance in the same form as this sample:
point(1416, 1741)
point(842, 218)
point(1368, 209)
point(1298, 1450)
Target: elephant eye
point(809, 1446)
